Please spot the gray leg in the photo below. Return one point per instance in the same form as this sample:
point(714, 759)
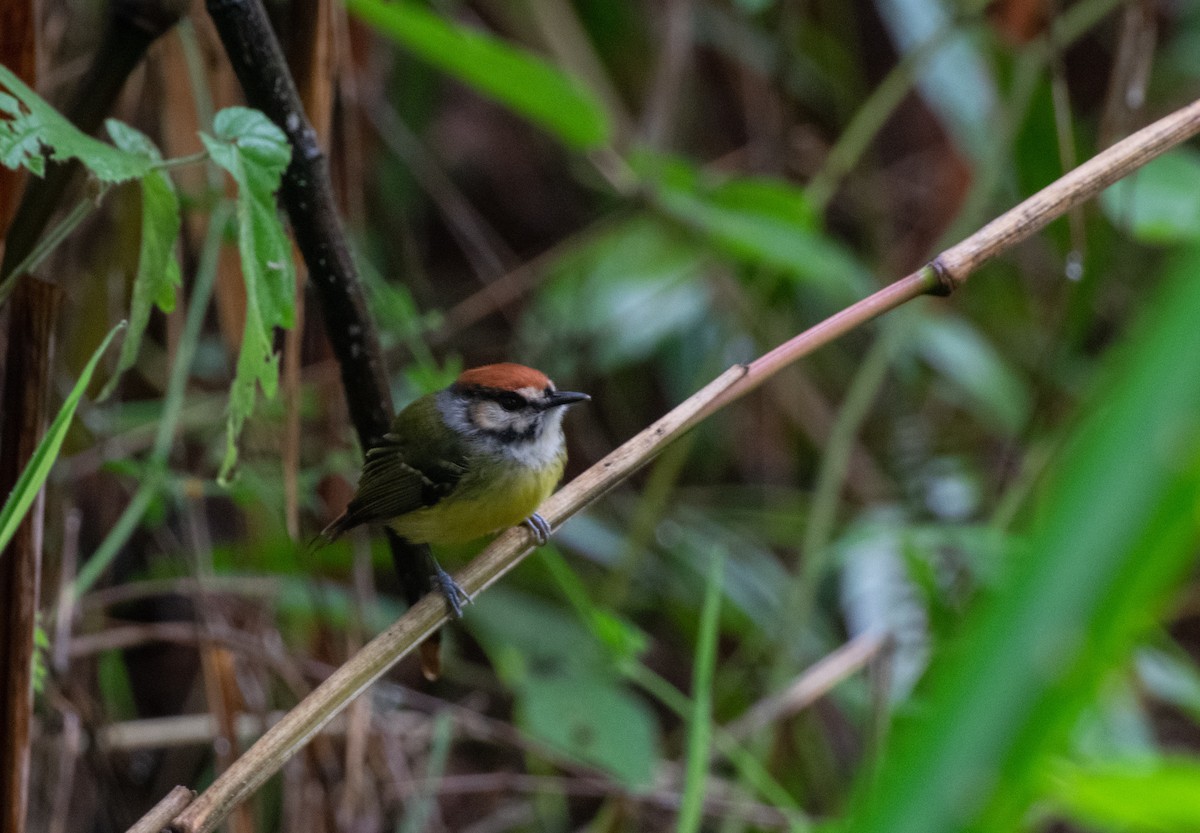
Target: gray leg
point(444, 583)
point(540, 527)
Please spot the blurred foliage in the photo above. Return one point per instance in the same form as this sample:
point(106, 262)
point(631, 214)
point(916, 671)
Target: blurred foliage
point(511, 76)
point(1155, 794)
point(566, 685)
point(632, 197)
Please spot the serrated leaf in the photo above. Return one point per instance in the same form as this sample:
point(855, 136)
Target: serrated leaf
point(132, 140)
point(517, 79)
point(258, 140)
point(43, 458)
point(32, 127)
point(20, 139)
point(158, 270)
point(255, 153)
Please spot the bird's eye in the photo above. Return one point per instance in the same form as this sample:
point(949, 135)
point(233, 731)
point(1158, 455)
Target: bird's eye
point(511, 401)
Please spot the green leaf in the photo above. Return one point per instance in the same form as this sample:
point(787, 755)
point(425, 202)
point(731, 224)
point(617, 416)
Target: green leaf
point(960, 354)
point(1159, 795)
point(20, 139)
point(132, 140)
point(700, 720)
point(618, 296)
point(29, 126)
point(41, 659)
point(43, 458)
point(755, 220)
point(593, 720)
point(1161, 202)
point(158, 270)
point(520, 81)
point(114, 687)
point(256, 139)
point(255, 153)
point(1116, 528)
point(568, 692)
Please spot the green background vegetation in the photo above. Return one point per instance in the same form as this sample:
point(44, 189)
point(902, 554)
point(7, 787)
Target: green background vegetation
point(998, 493)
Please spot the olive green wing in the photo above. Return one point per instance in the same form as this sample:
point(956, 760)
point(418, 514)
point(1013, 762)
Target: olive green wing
point(415, 465)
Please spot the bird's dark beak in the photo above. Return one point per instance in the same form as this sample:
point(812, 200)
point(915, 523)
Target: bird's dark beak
point(565, 397)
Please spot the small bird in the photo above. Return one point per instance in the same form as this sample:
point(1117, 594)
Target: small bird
point(473, 458)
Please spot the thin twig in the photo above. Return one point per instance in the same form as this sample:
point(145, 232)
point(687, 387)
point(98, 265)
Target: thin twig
point(481, 244)
point(946, 273)
point(68, 751)
point(815, 682)
point(46, 245)
point(956, 263)
point(664, 101)
point(163, 811)
point(499, 293)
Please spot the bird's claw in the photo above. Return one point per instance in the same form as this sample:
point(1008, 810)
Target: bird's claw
point(451, 591)
point(540, 527)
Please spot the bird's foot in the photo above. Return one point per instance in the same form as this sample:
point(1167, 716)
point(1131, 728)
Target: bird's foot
point(451, 591)
point(540, 527)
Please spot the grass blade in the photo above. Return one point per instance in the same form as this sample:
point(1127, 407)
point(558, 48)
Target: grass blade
point(700, 728)
point(43, 458)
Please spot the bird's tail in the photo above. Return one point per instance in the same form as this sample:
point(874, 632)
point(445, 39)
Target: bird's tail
point(329, 534)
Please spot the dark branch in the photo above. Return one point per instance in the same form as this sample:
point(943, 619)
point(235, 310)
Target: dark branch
point(308, 197)
point(27, 377)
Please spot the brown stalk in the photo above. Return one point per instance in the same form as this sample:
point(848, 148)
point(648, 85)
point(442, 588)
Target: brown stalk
point(312, 60)
point(944, 274)
point(810, 686)
point(26, 381)
point(18, 50)
point(163, 811)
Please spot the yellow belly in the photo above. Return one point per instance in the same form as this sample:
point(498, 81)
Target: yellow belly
point(474, 510)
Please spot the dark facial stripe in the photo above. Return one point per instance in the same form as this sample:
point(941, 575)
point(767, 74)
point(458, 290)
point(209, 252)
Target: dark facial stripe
point(511, 436)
